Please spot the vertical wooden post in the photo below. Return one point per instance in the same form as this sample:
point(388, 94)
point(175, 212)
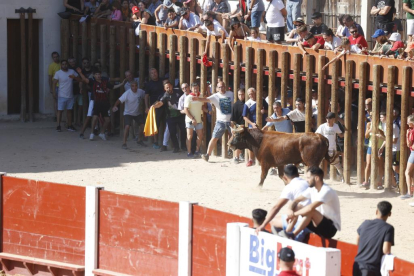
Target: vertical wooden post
point(388, 172)
point(348, 126)
point(193, 60)
point(237, 70)
point(272, 80)
point(284, 81)
point(260, 55)
point(214, 76)
point(93, 42)
point(84, 40)
point(64, 28)
point(75, 39)
point(296, 75)
point(225, 57)
point(142, 57)
point(334, 104)
point(112, 57)
point(361, 121)
point(152, 49)
point(309, 82)
point(374, 125)
point(172, 50)
point(103, 47)
point(183, 59)
point(405, 111)
point(321, 92)
point(30, 65)
point(23, 65)
point(203, 89)
point(249, 68)
point(163, 48)
point(122, 66)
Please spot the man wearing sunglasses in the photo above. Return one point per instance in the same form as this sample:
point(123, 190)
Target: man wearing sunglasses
point(356, 38)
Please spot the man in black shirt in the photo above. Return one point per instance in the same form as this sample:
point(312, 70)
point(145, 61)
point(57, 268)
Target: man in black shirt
point(319, 27)
point(154, 89)
point(237, 118)
point(375, 238)
point(384, 10)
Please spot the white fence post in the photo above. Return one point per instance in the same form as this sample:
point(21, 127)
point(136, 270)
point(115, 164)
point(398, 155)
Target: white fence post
point(233, 248)
point(91, 229)
point(185, 237)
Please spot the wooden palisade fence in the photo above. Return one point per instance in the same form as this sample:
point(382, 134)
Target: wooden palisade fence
point(264, 66)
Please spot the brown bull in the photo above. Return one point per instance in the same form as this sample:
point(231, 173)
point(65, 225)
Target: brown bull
point(277, 149)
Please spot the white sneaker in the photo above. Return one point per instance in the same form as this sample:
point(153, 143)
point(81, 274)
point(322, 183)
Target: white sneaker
point(91, 137)
point(412, 204)
point(102, 136)
point(405, 196)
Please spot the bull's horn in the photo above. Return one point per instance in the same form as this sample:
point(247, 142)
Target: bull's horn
point(239, 129)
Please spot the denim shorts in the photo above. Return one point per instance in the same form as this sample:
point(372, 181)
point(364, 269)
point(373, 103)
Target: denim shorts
point(196, 127)
point(255, 18)
point(411, 158)
point(65, 103)
point(79, 99)
point(220, 128)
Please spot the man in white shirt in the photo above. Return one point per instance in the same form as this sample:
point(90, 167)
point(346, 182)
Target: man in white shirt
point(65, 77)
point(294, 188)
point(297, 116)
point(193, 121)
point(322, 216)
point(223, 101)
point(129, 78)
point(275, 17)
point(330, 130)
point(214, 30)
point(188, 21)
point(134, 111)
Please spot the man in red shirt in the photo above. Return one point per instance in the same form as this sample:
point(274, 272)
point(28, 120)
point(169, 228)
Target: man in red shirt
point(356, 38)
point(313, 42)
point(286, 260)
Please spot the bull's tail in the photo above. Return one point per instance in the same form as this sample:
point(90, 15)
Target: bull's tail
point(327, 157)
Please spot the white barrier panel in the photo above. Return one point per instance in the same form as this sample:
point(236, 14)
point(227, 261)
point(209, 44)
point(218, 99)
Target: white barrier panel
point(258, 256)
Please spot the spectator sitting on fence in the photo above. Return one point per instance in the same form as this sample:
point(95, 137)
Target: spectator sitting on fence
point(207, 16)
point(104, 10)
point(237, 119)
point(193, 6)
point(135, 17)
point(188, 21)
point(384, 12)
point(341, 26)
point(90, 7)
point(161, 13)
point(258, 216)
point(147, 17)
point(254, 35)
point(349, 22)
point(238, 30)
point(172, 20)
point(125, 10)
point(219, 7)
point(116, 14)
point(332, 42)
point(313, 42)
point(275, 17)
point(286, 259)
point(375, 238)
point(345, 48)
point(408, 52)
point(134, 111)
point(294, 37)
point(214, 30)
point(381, 40)
point(357, 39)
point(74, 6)
point(319, 27)
point(393, 50)
point(153, 5)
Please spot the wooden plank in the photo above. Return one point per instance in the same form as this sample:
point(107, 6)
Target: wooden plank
point(388, 171)
point(296, 76)
point(102, 44)
point(259, 87)
point(30, 65)
point(374, 126)
point(284, 80)
point(93, 43)
point(75, 38)
point(183, 59)
point(405, 111)
point(162, 48)
point(308, 101)
point(225, 53)
point(132, 53)
point(40, 261)
point(112, 57)
point(103, 272)
point(237, 71)
point(172, 60)
point(248, 68)
point(348, 126)
point(214, 77)
point(84, 39)
point(23, 65)
point(122, 68)
point(334, 105)
point(193, 60)
point(361, 123)
point(152, 49)
point(321, 92)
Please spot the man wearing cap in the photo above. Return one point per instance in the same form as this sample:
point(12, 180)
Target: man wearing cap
point(188, 21)
point(384, 11)
point(330, 130)
point(408, 6)
point(381, 39)
point(286, 258)
point(392, 50)
point(318, 26)
point(293, 36)
point(292, 12)
point(275, 17)
point(311, 41)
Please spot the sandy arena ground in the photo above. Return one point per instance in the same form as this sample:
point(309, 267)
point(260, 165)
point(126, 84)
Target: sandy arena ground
point(37, 151)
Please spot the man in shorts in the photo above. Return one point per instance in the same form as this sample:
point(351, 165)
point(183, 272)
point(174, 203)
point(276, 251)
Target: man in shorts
point(275, 17)
point(64, 77)
point(322, 216)
point(53, 68)
point(134, 111)
point(87, 71)
point(255, 12)
point(223, 101)
point(193, 121)
point(408, 6)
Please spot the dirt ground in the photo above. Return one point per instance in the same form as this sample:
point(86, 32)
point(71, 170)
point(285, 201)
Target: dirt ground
point(37, 151)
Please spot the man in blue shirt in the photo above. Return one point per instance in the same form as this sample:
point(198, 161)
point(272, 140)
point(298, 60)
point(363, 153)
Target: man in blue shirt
point(281, 126)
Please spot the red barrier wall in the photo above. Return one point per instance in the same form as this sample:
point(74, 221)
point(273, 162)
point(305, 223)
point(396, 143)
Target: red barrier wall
point(209, 240)
point(137, 236)
point(44, 220)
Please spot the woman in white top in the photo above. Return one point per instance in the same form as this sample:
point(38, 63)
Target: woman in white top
point(332, 42)
point(341, 25)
